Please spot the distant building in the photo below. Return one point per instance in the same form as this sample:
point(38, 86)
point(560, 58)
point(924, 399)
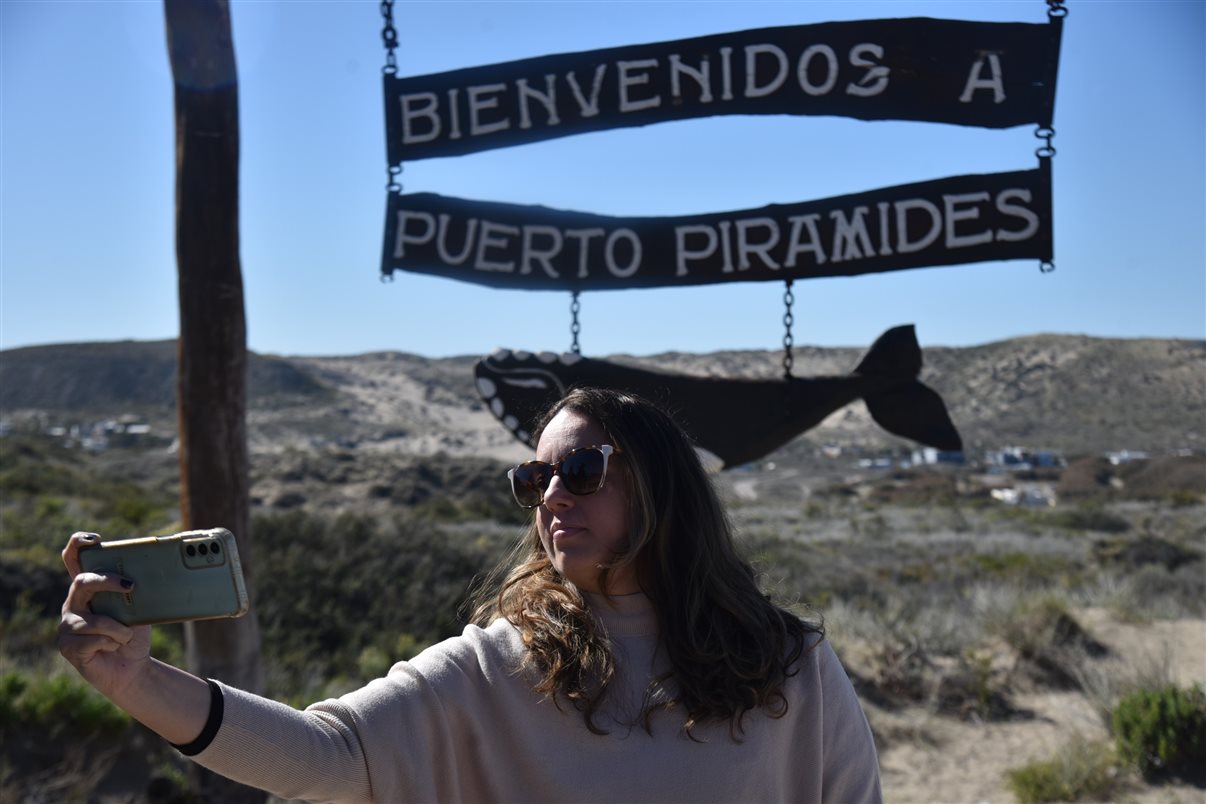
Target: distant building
point(1031, 497)
point(929, 456)
point(1126, 456)
point(1020, 459)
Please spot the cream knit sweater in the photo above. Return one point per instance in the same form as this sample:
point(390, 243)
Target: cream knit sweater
point(460, 723)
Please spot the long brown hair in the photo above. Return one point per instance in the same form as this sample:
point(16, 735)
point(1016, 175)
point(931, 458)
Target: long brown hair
point(730, 649)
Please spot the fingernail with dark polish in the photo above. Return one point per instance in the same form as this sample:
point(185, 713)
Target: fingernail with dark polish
point(126, 583)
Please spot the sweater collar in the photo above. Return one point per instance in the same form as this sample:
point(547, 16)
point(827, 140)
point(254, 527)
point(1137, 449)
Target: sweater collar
point(624, 615)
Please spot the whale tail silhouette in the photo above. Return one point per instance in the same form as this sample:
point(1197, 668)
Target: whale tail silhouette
point(897, 400)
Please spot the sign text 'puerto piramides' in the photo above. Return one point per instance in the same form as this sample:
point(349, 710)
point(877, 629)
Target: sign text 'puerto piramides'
point(959, 219)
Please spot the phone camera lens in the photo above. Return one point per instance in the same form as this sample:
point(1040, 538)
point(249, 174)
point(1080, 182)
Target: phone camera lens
point(192, 551)
point(202, 550)
point(213, 548)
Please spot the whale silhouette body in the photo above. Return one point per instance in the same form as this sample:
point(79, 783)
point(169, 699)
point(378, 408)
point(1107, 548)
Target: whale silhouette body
point(737, 420)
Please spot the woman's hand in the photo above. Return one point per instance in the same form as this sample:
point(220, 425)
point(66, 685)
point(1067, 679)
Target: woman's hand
point(110, 656)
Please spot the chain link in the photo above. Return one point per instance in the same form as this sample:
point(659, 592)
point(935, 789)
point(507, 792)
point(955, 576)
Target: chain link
point(389, 37)
point(1046, 134)
point(575, 327)
point(788, 320)
point(1056, 9)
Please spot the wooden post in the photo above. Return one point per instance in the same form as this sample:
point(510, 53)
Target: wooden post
point(212, 349)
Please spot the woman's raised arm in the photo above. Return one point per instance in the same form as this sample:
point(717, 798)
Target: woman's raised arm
point(116, 660)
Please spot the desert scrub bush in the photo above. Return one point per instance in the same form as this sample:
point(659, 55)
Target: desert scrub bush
point(341, 585)
point(1162, 731)
point(973, 689)
point(1090, 516)
point(1106, 683)
point(1023, 568)
point(1155, 592)
point(920, 650)
point(1081, 770)
point(1051, 645)
point(35, 703)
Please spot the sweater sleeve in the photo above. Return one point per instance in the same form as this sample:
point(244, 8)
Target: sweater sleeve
point(396, 739)
point(851, 766)
point(314, 755)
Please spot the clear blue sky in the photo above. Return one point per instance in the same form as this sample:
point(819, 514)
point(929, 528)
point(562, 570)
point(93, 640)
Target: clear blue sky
point(87, 181)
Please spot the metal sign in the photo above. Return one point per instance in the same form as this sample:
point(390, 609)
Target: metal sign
point(987, 74)
point(959, 219)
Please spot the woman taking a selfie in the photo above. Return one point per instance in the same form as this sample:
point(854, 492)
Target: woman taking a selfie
point(626, 655)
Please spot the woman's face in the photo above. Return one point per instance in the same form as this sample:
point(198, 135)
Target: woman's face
point(580, 534)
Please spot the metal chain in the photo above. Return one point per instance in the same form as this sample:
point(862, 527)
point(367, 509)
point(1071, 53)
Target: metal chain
point(1046, 134)
point(788, 320)
point(389, 37)
point(575, 327)
point(1045, 151)
point(1056, 8)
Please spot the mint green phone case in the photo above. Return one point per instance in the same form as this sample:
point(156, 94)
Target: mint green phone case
point(188, 576)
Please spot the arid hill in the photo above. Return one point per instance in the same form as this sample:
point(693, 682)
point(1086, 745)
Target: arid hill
point(1077, 394)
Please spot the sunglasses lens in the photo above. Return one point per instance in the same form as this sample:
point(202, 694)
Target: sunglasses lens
point(582, 471)
point(528, 482)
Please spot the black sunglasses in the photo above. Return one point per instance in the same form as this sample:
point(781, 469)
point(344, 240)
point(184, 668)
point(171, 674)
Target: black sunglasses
point(582, 472)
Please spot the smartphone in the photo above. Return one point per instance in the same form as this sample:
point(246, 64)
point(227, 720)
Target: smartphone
point(187, 576)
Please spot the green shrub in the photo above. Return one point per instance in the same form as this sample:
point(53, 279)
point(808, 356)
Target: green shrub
point(1080, 771)
point(1090, 517)
point(56, 704)
point(1162, 730)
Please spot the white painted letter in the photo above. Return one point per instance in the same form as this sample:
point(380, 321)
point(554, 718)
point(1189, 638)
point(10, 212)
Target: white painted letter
point(903, 208)
point(831, 68)
point(682, 253)
point(702, 77)
point(885, 241)
point(548, 99)
point(974, 81)
point(850, 238)
point(745, 247)
point(752, 90)
point(583, 236)
point(950, 204)
point(726, 73)
point(726, 247)
point(477, 103)
point(442, 242)
point(875, 80)
point(402, 238)
point(1028, 215)
point(428, 110)
point(543, 256)
point(487, 240)
point(609, 253)
point(589, 108)
point(626, 81)
point(454, 115)
point(813, 243)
